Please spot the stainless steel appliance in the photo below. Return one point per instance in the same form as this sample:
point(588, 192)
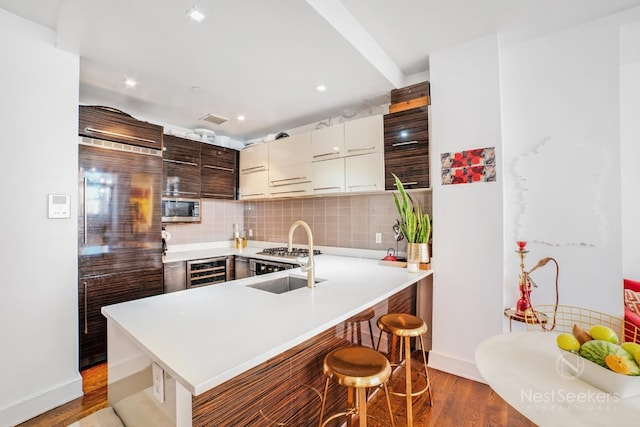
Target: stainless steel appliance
point(241, 267)
point(283, 251)
point(180, 209)
point(119, 242)
point(203, 272)
point(258, 267)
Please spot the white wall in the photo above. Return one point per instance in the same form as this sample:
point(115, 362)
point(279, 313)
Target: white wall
point(630, 148)
point(564, 87)
point(38, 307)
point(467, 218)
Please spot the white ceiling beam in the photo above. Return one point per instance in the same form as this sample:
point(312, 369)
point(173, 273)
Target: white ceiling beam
point(334, 12)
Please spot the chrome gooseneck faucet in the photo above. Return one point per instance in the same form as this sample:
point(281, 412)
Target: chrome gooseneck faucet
point(309, 267)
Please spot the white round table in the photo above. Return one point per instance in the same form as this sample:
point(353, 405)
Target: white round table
point(521, 368)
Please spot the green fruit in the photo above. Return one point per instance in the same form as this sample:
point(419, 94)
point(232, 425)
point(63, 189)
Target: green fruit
point(603, 333)
point(568, 342)
point(631, 347)
point(597, 350)
point(637, 357)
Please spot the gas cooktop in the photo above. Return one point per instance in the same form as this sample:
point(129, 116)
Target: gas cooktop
point(284, 252)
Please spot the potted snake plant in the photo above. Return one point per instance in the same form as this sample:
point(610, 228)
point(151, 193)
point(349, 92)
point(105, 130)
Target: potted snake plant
point(415, 224)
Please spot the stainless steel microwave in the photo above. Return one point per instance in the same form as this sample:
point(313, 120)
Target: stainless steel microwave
point(180, 210)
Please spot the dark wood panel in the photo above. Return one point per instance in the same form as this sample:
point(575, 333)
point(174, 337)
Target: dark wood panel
point(114, 125)
point(407, 93)
point(181, 150)
point(287, 388)
point(406, 148)
point(99, 291)
point(180, 180)
point(219, 172)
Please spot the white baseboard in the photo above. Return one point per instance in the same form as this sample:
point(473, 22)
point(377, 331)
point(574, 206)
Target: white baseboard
point(35, 405)
point(456, 366)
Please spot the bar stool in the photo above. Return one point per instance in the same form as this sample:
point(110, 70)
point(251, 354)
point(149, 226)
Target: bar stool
point(352, 325)
point(406, 326)
point(357, 368)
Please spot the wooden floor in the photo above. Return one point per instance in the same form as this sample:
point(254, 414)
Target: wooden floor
point(456, 402)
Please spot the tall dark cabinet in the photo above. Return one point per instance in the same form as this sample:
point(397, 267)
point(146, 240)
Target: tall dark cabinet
point(406, 137)
point(119, 242)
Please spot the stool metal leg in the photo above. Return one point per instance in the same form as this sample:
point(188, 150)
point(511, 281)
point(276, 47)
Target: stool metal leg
point(407, 353)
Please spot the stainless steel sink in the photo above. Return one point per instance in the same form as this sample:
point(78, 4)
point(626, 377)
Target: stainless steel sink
point(283, 284)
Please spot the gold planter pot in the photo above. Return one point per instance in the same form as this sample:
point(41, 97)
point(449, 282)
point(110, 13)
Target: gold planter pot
point(417, 253)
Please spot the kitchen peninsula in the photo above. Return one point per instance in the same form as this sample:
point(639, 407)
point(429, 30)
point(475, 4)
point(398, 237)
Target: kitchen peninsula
point(229, 354)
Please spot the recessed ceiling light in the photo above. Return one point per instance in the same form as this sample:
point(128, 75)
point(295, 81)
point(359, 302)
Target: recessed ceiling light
point(130, 82)
point(241, 118)
point(321, 88)
point(195, 14)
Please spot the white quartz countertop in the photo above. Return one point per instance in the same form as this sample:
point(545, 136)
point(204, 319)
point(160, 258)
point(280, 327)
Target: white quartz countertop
point(207, 335)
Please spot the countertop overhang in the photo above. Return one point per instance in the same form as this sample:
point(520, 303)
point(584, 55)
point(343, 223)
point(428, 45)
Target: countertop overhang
point(205, 336)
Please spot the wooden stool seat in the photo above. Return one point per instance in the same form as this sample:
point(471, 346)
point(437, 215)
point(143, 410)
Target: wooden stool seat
point(406, 326)
point(357, 368)
point(353, 324)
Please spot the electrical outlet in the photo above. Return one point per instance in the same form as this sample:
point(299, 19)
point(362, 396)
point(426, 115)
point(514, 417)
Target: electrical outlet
point(158, 382)
point(250, 232)
point(378, 237)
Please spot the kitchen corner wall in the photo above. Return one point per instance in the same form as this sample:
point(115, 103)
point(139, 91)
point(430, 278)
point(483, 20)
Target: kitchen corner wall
point(341, 221)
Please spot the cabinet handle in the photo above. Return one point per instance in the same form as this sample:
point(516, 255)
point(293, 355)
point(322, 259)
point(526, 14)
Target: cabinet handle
point(220, 168)
point(180, 162)
point(351, 150)
point(326, 188)
point(333, 153)
point(399, 144)
point(84, 209)
point(173, 193)
point(363, 185)
point(288, 179)
point(86, 323)
point(252, 194)
point(292, 191)
point(218, 195)
point(407, 183)
point(119, 135)
point(253, 169)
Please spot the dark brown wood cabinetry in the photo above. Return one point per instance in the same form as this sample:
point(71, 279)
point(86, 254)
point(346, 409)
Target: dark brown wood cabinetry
point(406, 148)
point(218, 172)
point(180, 167)
point(114, 125)
point(95, 292)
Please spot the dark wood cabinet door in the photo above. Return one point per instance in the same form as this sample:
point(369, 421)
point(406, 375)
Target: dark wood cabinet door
point(180, 167)
point(406, 148)
point(95, 292)
point(218, 172)
point(113, 125)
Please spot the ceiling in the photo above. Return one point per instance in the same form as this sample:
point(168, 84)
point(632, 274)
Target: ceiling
point(263, 59)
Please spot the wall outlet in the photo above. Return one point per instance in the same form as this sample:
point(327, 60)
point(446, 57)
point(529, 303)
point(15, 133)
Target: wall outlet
point(250, 232)
point(158, 382)
point(378, 237)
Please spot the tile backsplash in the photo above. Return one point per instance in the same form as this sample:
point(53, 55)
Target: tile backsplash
point(342, 221)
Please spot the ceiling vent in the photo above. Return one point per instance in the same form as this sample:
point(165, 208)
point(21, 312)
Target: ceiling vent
point(212, 118)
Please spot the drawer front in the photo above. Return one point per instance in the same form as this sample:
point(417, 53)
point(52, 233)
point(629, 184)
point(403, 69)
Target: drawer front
point(413, 172)
point(113, 125)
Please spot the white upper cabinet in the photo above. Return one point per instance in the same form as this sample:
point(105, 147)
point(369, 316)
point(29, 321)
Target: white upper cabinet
point(364, 173)
point(328, 176)
point(364, 136)
point(292, 150)
point(254, 159)
point(254, 172)
point(328, 143)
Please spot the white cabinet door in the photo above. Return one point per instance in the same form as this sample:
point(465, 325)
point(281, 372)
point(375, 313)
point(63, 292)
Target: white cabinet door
point(364, 173)
point(328, 176)
point(254, 158)
point(328, 143)
point(254, 172)
point(363, 136)
point(290, 181)
point(254, 185)
point(293, 150)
